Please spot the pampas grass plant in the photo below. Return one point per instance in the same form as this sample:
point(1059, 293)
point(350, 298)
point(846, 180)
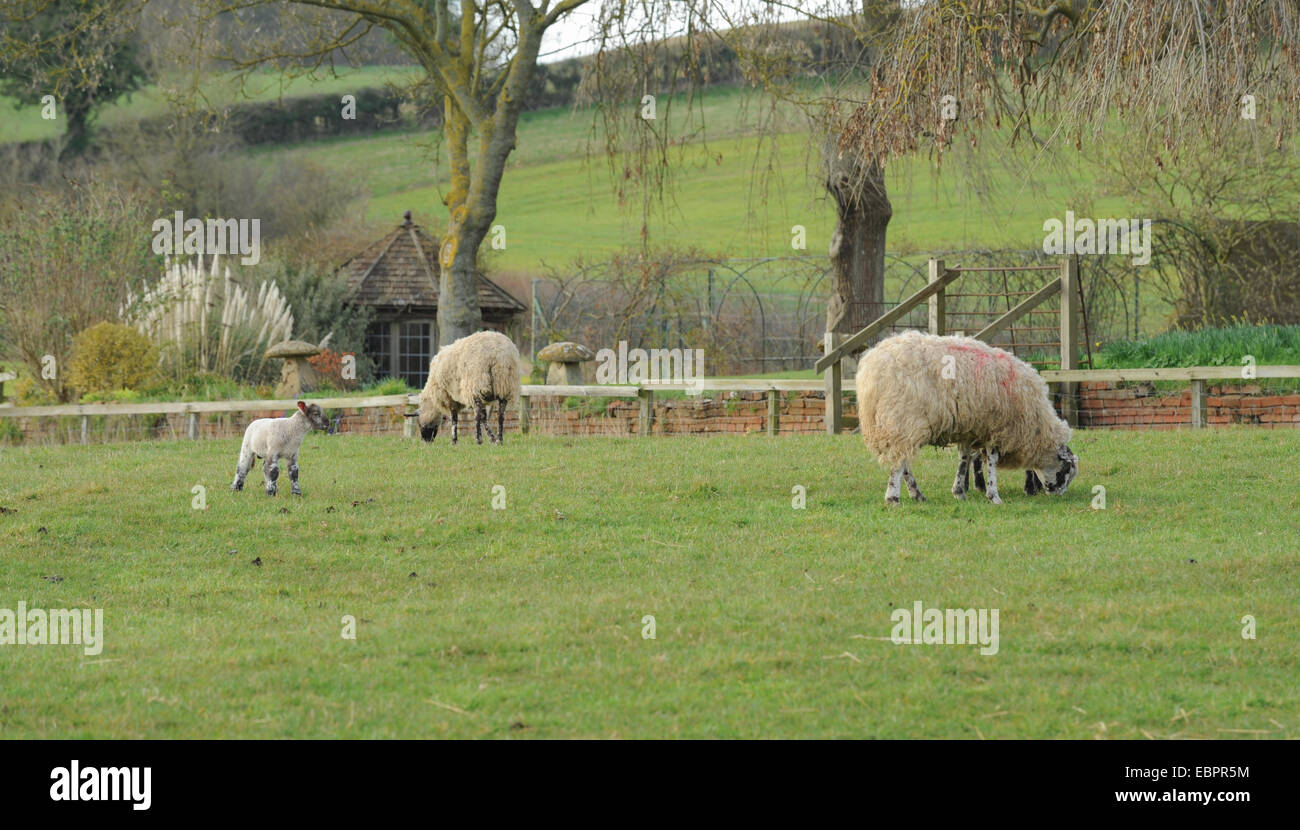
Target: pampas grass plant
point(205, 321)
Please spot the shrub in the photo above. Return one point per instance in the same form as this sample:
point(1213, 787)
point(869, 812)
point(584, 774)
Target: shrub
point(388, 386)
point(63, 255)
point(329, 364)
point(27, 392)
point(109, 356)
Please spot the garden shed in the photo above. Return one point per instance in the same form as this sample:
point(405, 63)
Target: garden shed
point(397, 276)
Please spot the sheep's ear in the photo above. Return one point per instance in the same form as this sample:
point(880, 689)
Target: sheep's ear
point(303, 407)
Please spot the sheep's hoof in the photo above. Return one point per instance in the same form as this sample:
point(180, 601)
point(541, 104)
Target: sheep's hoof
point(270, 492)
point(891, 501)
point(995, 498)
point(918, 497)
point(959, 494)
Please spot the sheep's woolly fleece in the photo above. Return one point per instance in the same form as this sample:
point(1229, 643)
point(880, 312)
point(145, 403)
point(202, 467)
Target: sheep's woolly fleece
point(916, 389)
point(471, 372)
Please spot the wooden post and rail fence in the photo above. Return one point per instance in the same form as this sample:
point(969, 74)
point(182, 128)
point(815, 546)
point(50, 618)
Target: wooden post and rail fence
point(1197, 377)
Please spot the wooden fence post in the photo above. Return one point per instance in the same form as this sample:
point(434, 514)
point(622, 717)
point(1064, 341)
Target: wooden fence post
point(524, 412)
point(192, 426)
point(408, 428)
point(85, 428)
point(1070, 336)
point(937, 305)
point(773, 413)
point(833, 387)
point(646, 425)
point(1198, 403)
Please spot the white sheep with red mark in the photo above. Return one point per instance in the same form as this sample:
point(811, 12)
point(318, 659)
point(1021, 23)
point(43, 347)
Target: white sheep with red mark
point(275, 438)
point(917, 389)
point(474, 371)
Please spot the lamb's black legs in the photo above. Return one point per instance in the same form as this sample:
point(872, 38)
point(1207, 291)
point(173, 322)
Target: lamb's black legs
point(978, 463)
point(455, 425)
point(271, 471)
point(293, 476)
point(501, 422)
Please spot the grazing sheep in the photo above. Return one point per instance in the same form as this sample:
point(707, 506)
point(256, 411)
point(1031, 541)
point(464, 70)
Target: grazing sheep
point(276, 438)
point(473, 371)
point(916, 389)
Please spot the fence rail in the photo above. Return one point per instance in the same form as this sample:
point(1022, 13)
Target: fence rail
point(1063, 380)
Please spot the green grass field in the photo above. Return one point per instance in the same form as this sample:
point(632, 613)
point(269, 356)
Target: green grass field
point(526, 622)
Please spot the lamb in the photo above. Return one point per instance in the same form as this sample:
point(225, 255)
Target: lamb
point(916, 389)
point(473, 371)
point(276, 438)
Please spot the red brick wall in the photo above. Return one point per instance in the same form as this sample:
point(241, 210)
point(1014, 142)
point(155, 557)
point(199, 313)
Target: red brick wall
point(1142, 406)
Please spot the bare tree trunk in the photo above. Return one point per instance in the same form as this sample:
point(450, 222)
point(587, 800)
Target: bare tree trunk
point(857, 248)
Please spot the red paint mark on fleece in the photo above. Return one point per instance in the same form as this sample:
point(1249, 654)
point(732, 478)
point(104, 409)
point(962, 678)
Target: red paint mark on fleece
point(982, 357)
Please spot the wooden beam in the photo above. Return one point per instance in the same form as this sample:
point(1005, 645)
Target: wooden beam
point(566, 391)
point(832, 388)
point(1188, 373)
point(1069, 336)
point(1198, 403)
point(862, 338)
point(525, 410)
point(645, 425)
point(937, 304)
point(773, 413)
point(736, 385)
point(1035, 299)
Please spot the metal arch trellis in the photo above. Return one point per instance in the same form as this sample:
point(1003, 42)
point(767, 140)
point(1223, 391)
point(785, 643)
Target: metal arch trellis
point(788, 321)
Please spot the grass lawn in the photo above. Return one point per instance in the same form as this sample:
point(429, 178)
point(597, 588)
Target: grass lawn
point(771, 621)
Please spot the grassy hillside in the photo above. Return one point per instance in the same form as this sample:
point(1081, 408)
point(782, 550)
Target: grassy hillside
point(735, 194)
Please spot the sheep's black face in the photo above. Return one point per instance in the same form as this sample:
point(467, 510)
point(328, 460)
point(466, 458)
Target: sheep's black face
point(1057, 480)
point(430, 431)
point(316, 417)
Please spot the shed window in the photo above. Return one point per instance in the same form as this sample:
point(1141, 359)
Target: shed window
point(415, 350)
point(379, 347)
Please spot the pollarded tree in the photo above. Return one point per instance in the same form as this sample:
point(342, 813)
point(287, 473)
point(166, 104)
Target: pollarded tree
point(84, 53)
